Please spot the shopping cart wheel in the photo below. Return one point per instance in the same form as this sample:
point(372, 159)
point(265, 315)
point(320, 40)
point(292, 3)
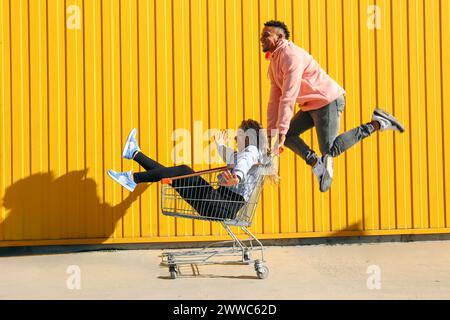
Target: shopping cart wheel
point(262, 272)
point(173, 272)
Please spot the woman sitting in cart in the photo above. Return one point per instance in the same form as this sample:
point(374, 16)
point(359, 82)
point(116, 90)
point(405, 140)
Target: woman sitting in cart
point(235, 184)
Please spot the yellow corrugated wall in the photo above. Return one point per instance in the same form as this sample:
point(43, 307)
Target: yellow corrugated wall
point(76, 76)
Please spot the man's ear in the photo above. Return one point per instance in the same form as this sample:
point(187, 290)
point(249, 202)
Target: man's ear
point(280, 34)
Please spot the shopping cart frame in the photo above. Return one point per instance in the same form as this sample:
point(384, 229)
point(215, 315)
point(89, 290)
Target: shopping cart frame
point(230, 252)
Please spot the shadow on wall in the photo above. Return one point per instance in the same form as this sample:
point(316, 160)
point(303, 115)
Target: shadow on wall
point(42, 207)
point(355, 227)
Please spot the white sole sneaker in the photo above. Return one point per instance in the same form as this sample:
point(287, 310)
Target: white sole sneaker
point(127, 143)
point(327, 176)
point(380, 114)
point(122, 180)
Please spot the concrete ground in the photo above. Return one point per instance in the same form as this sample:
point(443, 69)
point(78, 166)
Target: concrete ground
point(415, 270)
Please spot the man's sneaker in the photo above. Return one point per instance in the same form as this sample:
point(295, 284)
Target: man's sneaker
point(327, 176)
point(387, 121)
point(131, 145)
point(318, 169)
point(125, 179)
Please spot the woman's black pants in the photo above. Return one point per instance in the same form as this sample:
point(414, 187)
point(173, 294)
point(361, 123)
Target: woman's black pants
point(220, 203)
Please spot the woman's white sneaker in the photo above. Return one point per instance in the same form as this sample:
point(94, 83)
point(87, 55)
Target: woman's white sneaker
point(131, 145)
point(125, 179)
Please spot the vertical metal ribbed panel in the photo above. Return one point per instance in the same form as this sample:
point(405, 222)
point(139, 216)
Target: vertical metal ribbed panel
point(77, 76)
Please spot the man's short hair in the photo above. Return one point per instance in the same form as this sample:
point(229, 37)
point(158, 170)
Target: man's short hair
point(278, 24)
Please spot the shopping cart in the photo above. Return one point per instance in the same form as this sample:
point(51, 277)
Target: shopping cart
point(199, 196)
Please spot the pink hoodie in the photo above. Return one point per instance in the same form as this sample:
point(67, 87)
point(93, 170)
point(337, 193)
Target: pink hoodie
point(296, 77)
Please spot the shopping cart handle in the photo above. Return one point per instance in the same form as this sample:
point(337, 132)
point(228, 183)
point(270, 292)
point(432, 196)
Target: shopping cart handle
point(199, 173)
point(195, 174)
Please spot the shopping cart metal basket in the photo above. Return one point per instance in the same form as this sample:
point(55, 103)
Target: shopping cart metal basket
point(200, 196)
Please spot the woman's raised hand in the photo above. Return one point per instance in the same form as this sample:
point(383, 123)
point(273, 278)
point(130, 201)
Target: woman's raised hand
point(221, 137)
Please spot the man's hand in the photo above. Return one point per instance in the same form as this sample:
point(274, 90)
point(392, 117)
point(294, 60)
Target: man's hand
point(228, 179)
point(279, 145)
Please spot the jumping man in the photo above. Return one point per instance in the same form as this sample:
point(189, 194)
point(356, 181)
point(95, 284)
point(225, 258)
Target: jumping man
point(295, 77)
